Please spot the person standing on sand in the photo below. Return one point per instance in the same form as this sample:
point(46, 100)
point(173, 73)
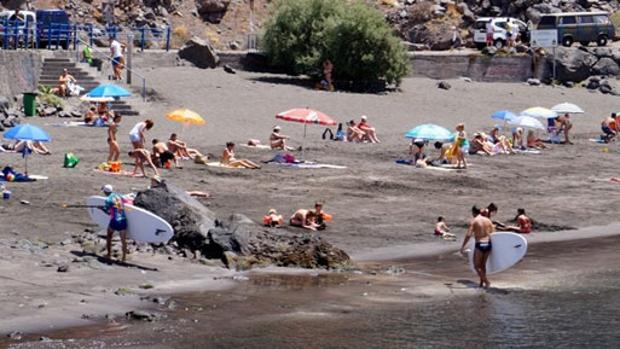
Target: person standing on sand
point(564, 125)
point(115, 208)
point(136, 135)
point(460, 147)
point(481, 228)
point(142, 156)
point(115, 149)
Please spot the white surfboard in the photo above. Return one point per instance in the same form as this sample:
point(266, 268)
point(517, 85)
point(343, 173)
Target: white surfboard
point(508, 249)
point(142, 225)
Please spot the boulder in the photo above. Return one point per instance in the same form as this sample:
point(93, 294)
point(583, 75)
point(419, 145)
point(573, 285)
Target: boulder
point(437, 37)
point(190, 219)
point(609, 87)
point(573, 64)
point(212, 10)
point(200, 53)
point(444, 85)
point(533, 82)
point(241, 243)
point(606, 66)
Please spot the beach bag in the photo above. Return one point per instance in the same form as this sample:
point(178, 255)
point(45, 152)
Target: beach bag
point(71, 160)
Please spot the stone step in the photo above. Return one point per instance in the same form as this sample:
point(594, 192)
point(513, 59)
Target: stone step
point(128, 112)
point(58, 65)
point(56, 60)
point(78, 76)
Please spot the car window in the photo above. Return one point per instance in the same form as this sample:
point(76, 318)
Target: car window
point(568, 20)
point(481, 24)
point(547, 22)
point(601, 19)
point(586, 19)
point(502, 25)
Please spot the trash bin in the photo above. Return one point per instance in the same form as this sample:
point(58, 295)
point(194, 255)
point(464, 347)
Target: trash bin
point(30, 103)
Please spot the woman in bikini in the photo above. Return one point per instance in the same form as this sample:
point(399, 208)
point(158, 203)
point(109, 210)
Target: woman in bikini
point(115, 149)
point(228, 158)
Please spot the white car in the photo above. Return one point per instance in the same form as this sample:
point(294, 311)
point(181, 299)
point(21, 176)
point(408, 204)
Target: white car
point(500, 34)
point(20, 25)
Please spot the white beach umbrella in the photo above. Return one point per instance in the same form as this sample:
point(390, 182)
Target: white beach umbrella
point(569, 108)
point(87, 98)
point(539, 112)
point(528, 122)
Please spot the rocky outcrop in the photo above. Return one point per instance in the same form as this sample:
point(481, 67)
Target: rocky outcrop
point(212, 10)
point(590, 65)
point(236, 240)
point(200, 53)
point(190, 219)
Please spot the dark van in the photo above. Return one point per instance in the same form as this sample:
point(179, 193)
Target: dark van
point(53, 29)
point(582, 27)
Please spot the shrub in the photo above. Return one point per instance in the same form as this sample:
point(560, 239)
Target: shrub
point(355, 37)
point(46, 96)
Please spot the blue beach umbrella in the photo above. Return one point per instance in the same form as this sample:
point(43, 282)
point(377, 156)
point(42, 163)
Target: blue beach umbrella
point(108, 90)
point(503, 115)
point(27, 132)
point(430, 132)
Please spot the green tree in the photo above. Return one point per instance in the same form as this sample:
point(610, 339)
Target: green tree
point(301, 34)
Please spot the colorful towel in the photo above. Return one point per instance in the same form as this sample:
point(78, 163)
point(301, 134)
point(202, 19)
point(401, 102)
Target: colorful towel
point(311, 165)
point(121, 173)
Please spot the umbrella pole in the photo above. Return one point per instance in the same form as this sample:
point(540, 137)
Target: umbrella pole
point(303, 144)
point(26, 165)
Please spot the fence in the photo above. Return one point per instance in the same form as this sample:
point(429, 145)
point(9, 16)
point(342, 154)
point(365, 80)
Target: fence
point(28, 34)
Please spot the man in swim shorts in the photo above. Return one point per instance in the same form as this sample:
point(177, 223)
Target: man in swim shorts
point(115, 208)
point(481, 228)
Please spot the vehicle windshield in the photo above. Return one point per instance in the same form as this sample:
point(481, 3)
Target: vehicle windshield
point(480, 24)
point(547, 22)
point(601, 19)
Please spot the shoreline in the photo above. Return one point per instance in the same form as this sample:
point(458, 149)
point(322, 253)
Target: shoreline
point(98, 307)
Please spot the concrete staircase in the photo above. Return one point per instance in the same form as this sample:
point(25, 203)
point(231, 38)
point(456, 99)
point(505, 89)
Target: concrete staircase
point(52, 68)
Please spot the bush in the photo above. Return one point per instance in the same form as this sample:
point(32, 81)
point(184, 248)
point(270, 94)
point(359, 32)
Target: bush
point(355, 37)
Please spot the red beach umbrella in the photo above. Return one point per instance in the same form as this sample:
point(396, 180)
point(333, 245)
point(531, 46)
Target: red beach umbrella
point(306, 116)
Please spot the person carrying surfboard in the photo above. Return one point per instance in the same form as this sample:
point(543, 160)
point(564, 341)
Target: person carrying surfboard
point(115, 208)
point(481, 229)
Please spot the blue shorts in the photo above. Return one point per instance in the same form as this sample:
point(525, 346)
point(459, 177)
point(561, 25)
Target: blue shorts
point(116, 61)
point(118, 225)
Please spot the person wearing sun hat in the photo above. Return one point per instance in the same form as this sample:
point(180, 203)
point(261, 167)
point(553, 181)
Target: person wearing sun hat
point(278, 140)
point(115, 208)
point(369, 132)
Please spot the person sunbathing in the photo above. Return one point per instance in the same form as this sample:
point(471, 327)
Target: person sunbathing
point(180, 149)
point(228, 158)
point(534, 142)
point(273, 219)
point(304, 219)
point(523, 221)
point(499, 142)
point(142, 156)
point(444, 151)
point(63, 82)
point(609, 128)
point(162, 156)
point(370, 134)
point(416, 150)
point(91, 115)
point(278, 140)
point(478, 145)
point(353, 133)
point(30, 146)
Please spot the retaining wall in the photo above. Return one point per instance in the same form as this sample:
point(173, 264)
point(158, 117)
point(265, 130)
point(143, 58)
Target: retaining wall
point(19, 72)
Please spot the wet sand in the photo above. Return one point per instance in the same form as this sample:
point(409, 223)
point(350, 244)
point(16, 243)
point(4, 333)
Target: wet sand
point(391, 303)
point(376, 204)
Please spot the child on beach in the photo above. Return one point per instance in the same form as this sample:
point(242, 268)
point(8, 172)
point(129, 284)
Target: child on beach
point(442, 229)
point(460, 147)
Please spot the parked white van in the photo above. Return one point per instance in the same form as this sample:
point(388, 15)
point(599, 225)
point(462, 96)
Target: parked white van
point(500, 34)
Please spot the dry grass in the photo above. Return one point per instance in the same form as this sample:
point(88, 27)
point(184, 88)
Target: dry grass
point(180, 35)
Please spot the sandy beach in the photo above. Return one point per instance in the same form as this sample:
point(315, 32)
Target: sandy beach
point(381, 210)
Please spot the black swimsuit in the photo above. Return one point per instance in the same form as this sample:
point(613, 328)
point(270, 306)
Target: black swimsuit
point(484, 246)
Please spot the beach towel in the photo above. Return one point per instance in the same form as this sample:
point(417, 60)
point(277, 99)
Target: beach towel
point(220, 165)
point(120, 173)
point(310, 165)
point(528, 151)
point(258, 146)
point(70, 124)
point(597, 140)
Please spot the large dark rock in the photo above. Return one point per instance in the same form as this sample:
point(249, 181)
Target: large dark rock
point(200, 53)
point(573, 64)
point(606, 66)
point(212, 10)
point(237, 241)
point(190, 219)
point(437, 37)
point(242, 243)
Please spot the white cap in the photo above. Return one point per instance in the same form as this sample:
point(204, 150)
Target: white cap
point(107, 188)
point(276, 127)
point(364, 117)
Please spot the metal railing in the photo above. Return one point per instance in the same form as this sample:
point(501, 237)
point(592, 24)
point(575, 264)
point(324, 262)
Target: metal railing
point(29, 34)
point(106, 58)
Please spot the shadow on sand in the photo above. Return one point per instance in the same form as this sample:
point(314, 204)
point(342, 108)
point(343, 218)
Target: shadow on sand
point(104, 260)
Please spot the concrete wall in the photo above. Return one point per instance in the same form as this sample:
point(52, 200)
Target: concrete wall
point(475, 66)
point(19, 72)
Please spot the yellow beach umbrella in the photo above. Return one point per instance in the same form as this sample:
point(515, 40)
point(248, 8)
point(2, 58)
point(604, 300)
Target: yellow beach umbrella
point(186, 116)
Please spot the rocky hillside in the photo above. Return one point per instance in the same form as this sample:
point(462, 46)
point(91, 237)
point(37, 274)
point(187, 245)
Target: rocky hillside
point(226, 23)
point(429, 22)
